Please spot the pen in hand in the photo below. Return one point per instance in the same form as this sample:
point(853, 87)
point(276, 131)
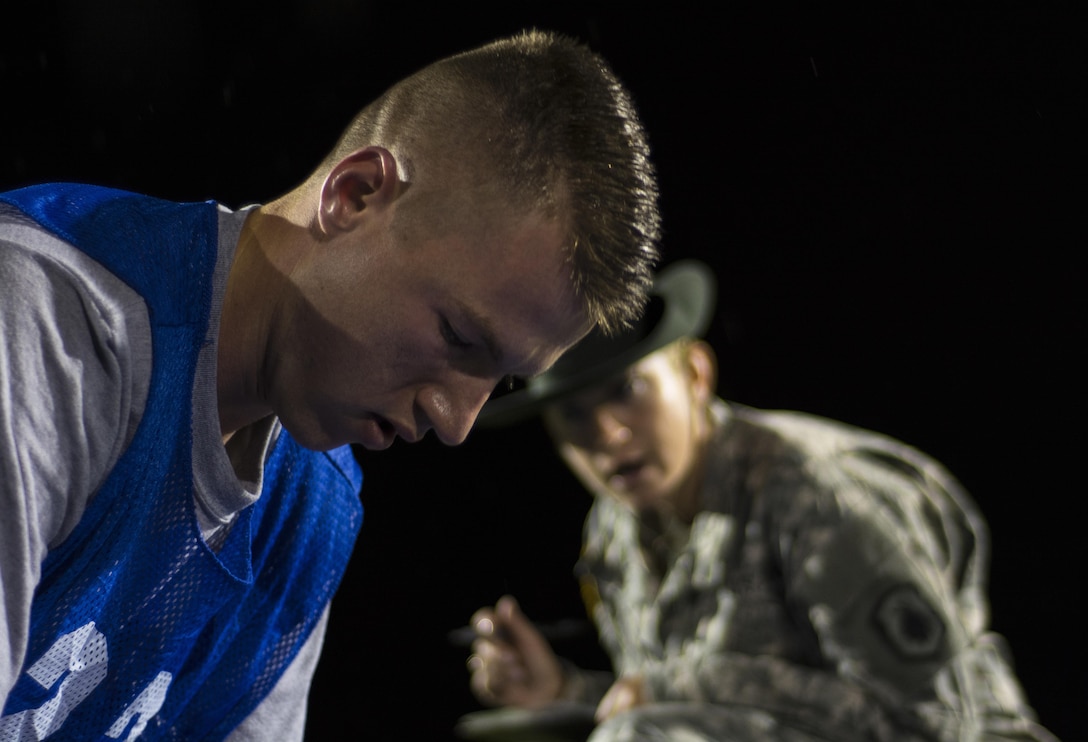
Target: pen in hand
point(567, 628)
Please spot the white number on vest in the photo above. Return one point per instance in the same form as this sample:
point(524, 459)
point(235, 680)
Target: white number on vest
point(82, 659)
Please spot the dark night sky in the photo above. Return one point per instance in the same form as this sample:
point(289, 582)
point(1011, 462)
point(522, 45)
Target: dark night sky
point(888, 199)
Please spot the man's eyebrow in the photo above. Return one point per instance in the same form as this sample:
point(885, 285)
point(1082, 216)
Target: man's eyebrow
point(486, 330)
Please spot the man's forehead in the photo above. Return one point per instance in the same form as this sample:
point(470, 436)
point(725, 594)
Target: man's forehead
point(518, 291)
point(526, 343)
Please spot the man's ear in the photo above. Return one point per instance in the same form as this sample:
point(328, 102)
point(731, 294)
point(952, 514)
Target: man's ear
point(361, 182)
point(702, 364)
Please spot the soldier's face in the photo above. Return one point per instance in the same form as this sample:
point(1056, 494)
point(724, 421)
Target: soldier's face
point(639, 435)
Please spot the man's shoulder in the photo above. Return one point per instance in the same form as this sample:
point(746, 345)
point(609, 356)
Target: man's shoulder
point(813, 435)
point(793, 452)
point(41, 270)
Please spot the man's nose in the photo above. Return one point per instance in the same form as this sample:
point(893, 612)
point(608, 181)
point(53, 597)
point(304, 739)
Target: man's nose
point(453, 410)
point(609, 430)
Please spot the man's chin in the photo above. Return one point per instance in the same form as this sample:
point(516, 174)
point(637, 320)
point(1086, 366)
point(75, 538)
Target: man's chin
point(311, 437)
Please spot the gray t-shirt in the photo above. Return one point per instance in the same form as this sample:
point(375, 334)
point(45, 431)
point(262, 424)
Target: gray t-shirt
point(75, 365)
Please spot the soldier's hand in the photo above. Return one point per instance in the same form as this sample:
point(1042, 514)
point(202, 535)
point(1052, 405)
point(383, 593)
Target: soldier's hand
point(512, 663)
point(625, 694)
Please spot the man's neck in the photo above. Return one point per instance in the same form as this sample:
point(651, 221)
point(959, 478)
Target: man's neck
point(252, 288)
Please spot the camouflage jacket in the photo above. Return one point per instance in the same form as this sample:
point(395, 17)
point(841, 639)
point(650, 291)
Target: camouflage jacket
point(834, 580)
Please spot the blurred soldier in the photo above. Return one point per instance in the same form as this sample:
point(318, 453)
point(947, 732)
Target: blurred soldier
point(752, 575)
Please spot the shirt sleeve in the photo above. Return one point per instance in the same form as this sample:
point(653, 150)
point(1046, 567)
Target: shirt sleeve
point(886, 568)
point(887, 563)
point(70, 393)
point(282, 713)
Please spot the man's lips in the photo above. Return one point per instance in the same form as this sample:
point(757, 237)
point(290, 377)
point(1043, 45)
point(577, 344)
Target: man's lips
point(392, 429)
point(374, 433)
point(625, 473)
point(377, 432)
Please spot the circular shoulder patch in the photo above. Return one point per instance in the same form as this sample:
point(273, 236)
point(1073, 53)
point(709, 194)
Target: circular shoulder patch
point(909, 624)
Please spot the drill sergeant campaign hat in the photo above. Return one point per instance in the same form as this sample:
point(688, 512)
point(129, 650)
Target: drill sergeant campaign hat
point(681, 305)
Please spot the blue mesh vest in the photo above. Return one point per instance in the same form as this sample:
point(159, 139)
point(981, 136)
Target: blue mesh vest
point(137, 627)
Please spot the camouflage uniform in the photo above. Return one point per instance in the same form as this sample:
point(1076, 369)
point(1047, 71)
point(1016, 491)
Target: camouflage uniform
point(832, 588)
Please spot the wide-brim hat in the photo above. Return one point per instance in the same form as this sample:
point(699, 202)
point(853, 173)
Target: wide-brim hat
point(681, 305)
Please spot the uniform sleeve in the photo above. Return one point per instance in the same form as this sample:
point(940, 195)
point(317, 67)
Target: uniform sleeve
point(69, 395)
point(795, 695)
point(887, 563)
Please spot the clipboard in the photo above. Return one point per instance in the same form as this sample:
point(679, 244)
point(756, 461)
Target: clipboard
point(559, 722)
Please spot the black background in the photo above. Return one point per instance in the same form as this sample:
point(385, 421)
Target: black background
point(892, 199)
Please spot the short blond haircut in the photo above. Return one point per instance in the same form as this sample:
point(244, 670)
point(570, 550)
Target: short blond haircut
point(543, 124)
